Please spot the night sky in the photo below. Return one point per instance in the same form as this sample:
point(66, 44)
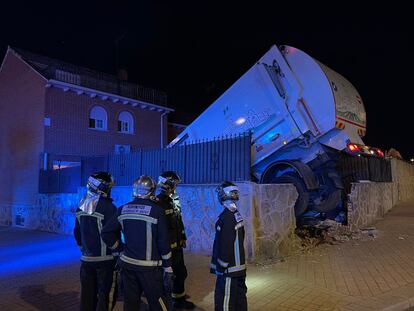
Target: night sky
point(195, 51)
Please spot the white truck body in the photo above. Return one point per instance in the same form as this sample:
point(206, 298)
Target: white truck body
point(291, 103)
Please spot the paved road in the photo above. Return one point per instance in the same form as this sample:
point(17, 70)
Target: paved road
point(40, 271)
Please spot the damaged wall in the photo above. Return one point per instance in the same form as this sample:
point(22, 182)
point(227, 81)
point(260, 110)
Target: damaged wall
point(370, 201)
point(267, 210)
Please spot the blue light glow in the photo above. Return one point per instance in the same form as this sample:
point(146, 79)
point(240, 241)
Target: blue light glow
point(240, 121)
point(36, 255)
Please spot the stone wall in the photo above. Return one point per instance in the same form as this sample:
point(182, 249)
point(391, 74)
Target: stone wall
point(370, 201)
point(267, 211)
point(200, 209)
point(274, 220)
point(403, 179)
point(54, 213)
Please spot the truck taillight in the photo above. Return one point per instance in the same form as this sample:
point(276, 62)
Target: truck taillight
point(353, 148)
point(380, 153)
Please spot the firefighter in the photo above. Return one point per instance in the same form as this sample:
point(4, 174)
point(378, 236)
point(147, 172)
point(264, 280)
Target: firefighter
point(169, 201)
point(147, 249)
point(97, 272)
point(228, 261)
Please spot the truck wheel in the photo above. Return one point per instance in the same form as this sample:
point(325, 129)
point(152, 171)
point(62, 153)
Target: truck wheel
point(329, 198)
point(301, 204)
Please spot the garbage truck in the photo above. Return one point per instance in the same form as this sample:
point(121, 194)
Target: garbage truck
point(302, 116)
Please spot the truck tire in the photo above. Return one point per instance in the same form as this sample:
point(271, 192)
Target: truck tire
point(332, 197)
point(330, 202)
point(301, 204)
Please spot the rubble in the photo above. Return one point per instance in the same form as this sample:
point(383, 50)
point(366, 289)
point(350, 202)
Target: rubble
point(333, 233)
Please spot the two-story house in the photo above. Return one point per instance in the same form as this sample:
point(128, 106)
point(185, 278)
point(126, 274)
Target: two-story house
point(52, 113)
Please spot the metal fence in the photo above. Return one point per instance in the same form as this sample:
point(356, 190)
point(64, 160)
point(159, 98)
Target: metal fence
point(197, 163)
point(107, 83)
point(65, 180)
point(353, 169)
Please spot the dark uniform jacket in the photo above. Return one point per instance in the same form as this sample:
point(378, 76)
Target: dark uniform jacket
point(88, 229)
point(176, 231)
point(144, 226)
point(228, 249)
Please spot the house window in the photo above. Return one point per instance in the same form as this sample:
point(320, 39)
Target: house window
point(97, 118)
point(125, 123)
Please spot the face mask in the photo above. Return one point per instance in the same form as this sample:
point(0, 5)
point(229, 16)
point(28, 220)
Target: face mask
point(89, 203)
point(231, 205)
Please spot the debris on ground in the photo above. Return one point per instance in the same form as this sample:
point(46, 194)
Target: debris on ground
point(332, 233)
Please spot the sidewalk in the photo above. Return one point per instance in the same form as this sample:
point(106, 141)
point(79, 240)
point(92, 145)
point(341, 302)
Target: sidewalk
point(355, 275)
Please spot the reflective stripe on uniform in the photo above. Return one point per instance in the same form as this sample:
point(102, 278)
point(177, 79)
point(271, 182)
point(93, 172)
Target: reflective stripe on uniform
point(112, 291)
point(236, 268)
point(138, 217)
point(222, 263)
point(162, 304)
point(236, 249)
point(213, 266)
point(178, 295)
point(121, 222)
point(103, 245)
point(239, 225)
point(115, 245)
point(97, 258)
point(94, 214)
point(227, 295)
point(137, 262)
point(166, 257)
point(149, 241)
point(174, 245)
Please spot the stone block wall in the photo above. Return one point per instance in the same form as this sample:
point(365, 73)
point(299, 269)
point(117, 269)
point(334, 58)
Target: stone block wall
point(403, 179)
point(200, 209)
point(267, 211)
point(273, 220)
point(368, 202)
point(54, 213)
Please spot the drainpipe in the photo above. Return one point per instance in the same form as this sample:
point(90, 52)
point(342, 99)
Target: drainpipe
point(162, 128)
